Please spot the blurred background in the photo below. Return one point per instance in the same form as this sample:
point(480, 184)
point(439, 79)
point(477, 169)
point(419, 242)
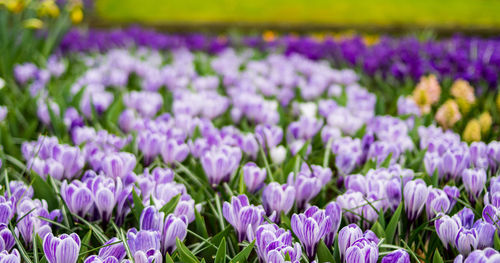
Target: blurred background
point(394, 16)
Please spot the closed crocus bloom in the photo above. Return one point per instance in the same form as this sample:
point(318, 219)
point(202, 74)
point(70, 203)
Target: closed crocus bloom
point(334, 211)
point(270, 236)
point(479, 154)
point(13, 257)
point(347, 236)
point(218, 164)
point(306, 187)
point(118, 164)
point(106, 193)
point(253, 176)
point(310, 227)
point(112, 250)
point(397, 256)
point(485, 233)
point(143, 240)
point(362, 251)
point(278, 154)
point(64, 248)
point(172, 151)
point(466, 241)
point(269, 136)
point(488, 255)
point(447, 229)
point(448, 114)
point(474, 181)
point(77, 197)
point(453, 194)
point(279, 198)
point(149, 256)
point(437, 201)
point(6, 209)
point(186, 207)
point(7, 240)
point(242, 215)
point(174, 227)
point(466, 217)
point(151, 219)
point(415, 195)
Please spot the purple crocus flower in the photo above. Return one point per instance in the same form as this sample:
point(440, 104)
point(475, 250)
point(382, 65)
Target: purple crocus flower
point(447, 229)
point(347, 236)
point(143, 240)
point(106, 193)
point(13, 257)
point(415, 195)
point(173, 228)
point(453, 194)
point(118, 165)
point(270, 236)
point(437, 201)
point(220, 163)
point(151, 219)
point(334, 211)
point(310, 227)
point(479, 154)
point(7, 240)
point(30, 211)
point(278, 198)
point(64, 248)
point(307, 186)
point(243, 216)
point(362, 251)
point(397, 256)
point(77, 197)
point(7, 209)
point(474, 181)
point(268, 136)
point(488, 255)
point(485, 233)
point(466, 241)
point(172, 151)
point(116, 250)
point(253, 176)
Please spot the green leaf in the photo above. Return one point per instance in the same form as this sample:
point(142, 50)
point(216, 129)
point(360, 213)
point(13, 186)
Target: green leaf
point(323, 253)
point(435, 178)
point(336, 250)
point(201, 228)
point(437, 257)
point(496, 241)
point(169, 207)
point(168, 259)
point(86, 241)
point(138, 206)
point(184, 254)
point(220, 257)
point(44, 191)
point(393, 223)
point(378, 230)
point(243, 255)
point(387, 161)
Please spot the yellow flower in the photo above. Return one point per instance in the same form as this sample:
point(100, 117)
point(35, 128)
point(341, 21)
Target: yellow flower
point(498, 102)
point(268, 36)
point(15, 6)
point(371, 40)
point(472, 132)
point(431, 86)
point(421, 98)
point(485, 122)
point(76, 15)
point(462, 89)
point(33, 23)
point(48, 8)
point(448, 114)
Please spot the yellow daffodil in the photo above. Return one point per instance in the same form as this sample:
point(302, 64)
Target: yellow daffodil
point(48, 8)
point(268, 36)
point(76, 14)
point(33, 23)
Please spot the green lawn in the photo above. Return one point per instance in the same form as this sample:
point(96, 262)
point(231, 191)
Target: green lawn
point(444, 13)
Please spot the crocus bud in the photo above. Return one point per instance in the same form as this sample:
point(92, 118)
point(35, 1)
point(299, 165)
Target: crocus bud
point(278, 154)
point(172, 151)
point(347, 236)
point(453, 194)
point(242, 215)
point(415, 196)
point(485, 233)
point(143, 240)
point(488, 255)
point(310, 227)
point(77, 197)
point(253, 176)
point(279, 198)
point(334, 211)
point(116, 251)
point(437, 201)
point(13, 257)
point(174, 227)
point(7, 240)
point(306, 187)
point(362, 251)
point(64, 248)
point(151, 219)
point(466, 241)
point(397, 256)
point(447, 229)
point(474, 181)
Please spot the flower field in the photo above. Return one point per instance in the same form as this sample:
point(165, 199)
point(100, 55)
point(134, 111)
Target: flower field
point(138, 146)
